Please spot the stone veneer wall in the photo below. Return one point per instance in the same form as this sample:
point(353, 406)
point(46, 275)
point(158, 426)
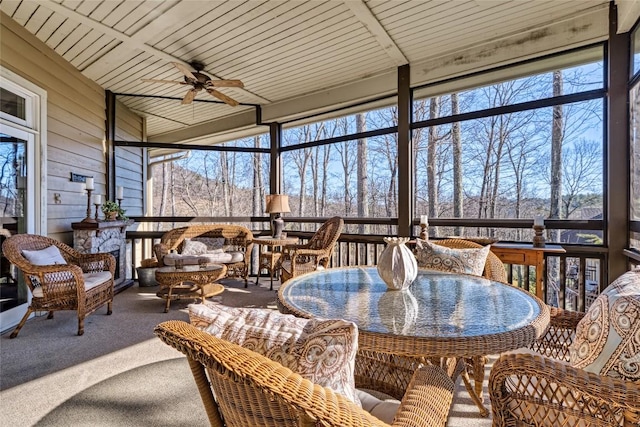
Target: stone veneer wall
point(104, 240)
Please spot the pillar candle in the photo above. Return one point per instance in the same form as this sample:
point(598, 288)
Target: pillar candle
point(88, 183)
point(119, 192)
point(97, 199)
point(538, 220)
point(424, 219)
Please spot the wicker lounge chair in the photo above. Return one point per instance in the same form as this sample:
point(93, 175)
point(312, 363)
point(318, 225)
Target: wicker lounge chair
point(242, 388)
point(84, 284)
point(543, 390)
point(307, 257)
point(237, 240)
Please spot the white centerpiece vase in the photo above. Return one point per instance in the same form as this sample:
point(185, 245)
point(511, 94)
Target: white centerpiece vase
point(397, 265)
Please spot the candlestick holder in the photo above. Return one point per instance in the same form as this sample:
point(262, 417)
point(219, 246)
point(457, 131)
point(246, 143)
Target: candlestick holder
point(97, 207)
point(538, 237)
point(119, 203)
point(88, 218)
point(424, 231)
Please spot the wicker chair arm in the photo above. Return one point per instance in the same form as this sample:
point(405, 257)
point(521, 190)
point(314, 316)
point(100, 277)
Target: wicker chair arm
point(160, 250)
point(91, 263)
point(319, 403)
point(294, 246)
point(565, 319)
point(57, 279)
point(248, 250)
point(428, 399)
point(559, 335)
point(529, 388)
point(308, 252)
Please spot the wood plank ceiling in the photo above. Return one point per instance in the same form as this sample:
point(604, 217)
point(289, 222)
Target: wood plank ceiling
point(285, 52)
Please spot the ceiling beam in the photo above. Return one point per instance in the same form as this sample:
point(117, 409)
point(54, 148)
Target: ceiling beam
point(362, 12)
point(121, 53)
point(628, 13)
point(579, 31)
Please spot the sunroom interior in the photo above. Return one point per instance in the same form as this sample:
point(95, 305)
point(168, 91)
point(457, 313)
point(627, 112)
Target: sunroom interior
point(480, 130)
point(478, 119)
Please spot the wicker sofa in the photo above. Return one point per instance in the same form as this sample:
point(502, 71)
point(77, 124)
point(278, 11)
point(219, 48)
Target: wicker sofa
point(233, 246)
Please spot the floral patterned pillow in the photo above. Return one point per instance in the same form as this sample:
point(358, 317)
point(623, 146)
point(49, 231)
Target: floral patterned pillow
point(606, 341)
point(321, 350)
point(436, 257)
point(193, 247)
point(211, 243)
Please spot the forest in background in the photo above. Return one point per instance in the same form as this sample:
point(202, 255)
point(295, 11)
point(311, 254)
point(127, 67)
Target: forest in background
point(542, 161)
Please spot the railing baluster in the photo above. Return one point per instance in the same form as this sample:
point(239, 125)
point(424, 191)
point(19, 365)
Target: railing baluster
point(355, 249)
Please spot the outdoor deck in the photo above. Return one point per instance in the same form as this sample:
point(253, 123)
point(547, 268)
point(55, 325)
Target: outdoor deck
point(118, 372)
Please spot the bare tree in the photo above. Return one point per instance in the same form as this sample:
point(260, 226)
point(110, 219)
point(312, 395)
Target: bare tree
point(581, 174)
point(362, 173)
point(556, 153)
point(434, 111)
point(258, 193)
point(458, 206)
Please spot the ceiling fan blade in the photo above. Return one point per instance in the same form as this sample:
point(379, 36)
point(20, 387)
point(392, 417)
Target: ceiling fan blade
point(184, 70)
point(221, 96)
point(225, 83)
point(189, 96)
point(173, 82)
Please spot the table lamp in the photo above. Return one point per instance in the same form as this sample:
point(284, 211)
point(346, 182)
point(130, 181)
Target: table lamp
point(277, 204)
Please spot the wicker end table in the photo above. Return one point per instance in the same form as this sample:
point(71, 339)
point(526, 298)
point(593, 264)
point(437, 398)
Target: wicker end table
point(270, 259)
point(191, 281)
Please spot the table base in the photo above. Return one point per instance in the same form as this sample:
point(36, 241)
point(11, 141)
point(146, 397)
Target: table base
point(189, 291)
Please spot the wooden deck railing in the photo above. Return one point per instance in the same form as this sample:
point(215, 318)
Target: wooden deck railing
point(572, 279)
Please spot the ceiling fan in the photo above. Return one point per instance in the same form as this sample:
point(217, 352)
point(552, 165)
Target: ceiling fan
point(200, 81)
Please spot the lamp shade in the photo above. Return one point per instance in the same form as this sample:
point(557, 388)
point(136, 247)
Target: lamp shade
point(277, 203)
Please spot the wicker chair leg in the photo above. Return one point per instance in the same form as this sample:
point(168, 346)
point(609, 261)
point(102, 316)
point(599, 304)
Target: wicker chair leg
point(110, 307)
point(50, 315)
point(80, 325)
point(478, 374)
point(209, 401)
point(22, 322)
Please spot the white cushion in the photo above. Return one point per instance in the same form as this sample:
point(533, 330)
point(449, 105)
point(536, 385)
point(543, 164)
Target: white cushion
point(217, 257)
point(320, 350)
point(47, 256)
point(170, 259)
point(91, 280)
point(224, 257)
point(384, 410)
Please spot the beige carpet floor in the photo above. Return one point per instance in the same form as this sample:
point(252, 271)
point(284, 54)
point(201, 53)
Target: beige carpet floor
point(118, 373)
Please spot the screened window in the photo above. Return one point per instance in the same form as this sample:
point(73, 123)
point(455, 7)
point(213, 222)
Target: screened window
point(509, 162)
point(212, 182)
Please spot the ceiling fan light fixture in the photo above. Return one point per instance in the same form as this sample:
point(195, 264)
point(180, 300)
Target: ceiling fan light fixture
point(200, 81)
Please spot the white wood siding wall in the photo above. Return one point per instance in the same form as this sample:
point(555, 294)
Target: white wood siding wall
point(76, 124)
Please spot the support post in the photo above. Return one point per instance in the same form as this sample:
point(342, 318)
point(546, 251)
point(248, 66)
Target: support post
point(405, 153)
point(616, 189)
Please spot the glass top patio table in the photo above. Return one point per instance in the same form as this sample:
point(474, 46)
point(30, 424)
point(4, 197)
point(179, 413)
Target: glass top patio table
point(440, 314)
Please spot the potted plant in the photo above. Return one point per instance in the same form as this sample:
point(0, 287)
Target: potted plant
point(113, 211)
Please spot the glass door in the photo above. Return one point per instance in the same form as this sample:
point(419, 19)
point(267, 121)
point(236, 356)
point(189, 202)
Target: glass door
point(21, 133)
point(14, 219)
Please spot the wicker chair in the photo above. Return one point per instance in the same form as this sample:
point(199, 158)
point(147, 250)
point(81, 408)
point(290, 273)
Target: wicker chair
point(62, 286)
point(242, 388)
point(304, 258)
point(543, 390)
point(493, 270)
